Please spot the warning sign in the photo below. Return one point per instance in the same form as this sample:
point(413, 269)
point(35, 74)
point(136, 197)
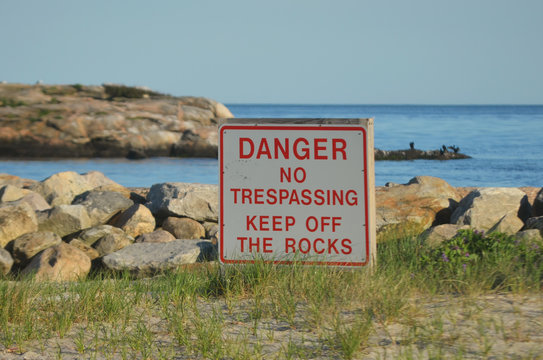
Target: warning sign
point(297, 192)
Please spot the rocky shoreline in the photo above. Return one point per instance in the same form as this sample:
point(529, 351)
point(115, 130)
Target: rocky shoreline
point(61, 227)
point(117, 121)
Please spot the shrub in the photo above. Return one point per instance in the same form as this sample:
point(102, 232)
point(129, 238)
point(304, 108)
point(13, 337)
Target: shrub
point(129, 92)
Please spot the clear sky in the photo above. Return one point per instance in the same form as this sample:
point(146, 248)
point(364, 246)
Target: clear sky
point(284, 51)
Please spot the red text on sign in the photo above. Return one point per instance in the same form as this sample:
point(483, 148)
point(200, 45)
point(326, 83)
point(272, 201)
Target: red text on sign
point(300, 148)
point(318, 246)
point(251, 244)
point(269, 223)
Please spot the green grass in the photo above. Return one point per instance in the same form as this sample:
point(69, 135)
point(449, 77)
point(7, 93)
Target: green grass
point(262, 310)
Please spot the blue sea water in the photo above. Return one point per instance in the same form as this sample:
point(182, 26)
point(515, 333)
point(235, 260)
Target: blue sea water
point(506, 143)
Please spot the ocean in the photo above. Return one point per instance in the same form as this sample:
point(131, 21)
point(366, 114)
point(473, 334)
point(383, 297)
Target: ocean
point(505, 142)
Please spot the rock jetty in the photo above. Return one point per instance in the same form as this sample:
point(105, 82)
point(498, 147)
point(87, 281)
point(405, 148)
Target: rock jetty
point(117, 121)
point(59, 228)
point(70, 121)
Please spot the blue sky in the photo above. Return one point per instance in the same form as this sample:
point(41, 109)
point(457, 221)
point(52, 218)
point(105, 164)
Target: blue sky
point(284, 51)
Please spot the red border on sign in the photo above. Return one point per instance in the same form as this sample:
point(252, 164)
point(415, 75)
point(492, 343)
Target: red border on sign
point(302, 128)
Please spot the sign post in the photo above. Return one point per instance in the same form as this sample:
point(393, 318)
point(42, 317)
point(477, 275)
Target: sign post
point(297, 190)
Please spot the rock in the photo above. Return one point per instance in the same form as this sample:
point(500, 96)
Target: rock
point(11, 193)
point(196, 201)
point(434, 236)
point(92, 235)
point(88, 250)
point(6, 261)
point(148, 258)
point(509, 224)
point(7, 179)
point(529, 237)
point(212, 231)
point(62, 188)
point(16, 220)
point(184, 228)
point(534, 223)
point(208, 251)
point(112, 242)
point(92, 121)
point(157, 236)
point(135, 220)
point(483, 208)
point(35, 200)
point(102, 205)
point(423, 202)
point(28, 245)
point(537, 209)
point(61, 262)
point(64, 219)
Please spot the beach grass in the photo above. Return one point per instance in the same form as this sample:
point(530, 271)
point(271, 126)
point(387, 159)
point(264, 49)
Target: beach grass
point(415, 303)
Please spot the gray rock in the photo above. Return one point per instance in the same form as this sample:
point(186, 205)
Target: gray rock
point(157, 236)
point(212, 231)
point(92, 235)
point(184, 228)
point(11, 193)
point(148, 258)
point(535, 223)
point(196, 201)
point(208, 251)
point(529, 237)
point(102, 205)
point(88, 250)
point(538, 204)
point(112, 242)
point(64, 219)
point(509, 224)
point(28, 245)
point(482, 209)
point(135, 220)
point(35, 200)
point(16, 220)
point(434, 236)
point(61, 262)
point(6, 261)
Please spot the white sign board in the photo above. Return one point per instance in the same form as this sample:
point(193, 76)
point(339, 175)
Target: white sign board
point(296, 192)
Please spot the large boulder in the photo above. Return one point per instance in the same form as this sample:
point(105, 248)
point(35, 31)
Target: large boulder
point(61, 262)
point(184, 228)
point(148, 258)
point(135, 220)
point(102, 205)
point(63, 187)
point(196, 201)
point(28, 245)
point(7, 179)
point(88, 250)
point(509, 224)
point(482, 209)
point(6, 261)
point(537, 209)
point(64, 219)
point(16, 220)
point(424, 201)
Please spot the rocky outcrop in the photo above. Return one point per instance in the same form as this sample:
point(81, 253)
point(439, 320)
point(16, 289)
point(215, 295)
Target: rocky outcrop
point(157, 236)
point(105, 121)
point(64, 219)
point(445, 153)
point(102, 205)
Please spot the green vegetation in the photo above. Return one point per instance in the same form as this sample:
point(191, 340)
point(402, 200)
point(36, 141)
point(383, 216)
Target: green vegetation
point(129, 92)
point(264, 310)
point(11, 102)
